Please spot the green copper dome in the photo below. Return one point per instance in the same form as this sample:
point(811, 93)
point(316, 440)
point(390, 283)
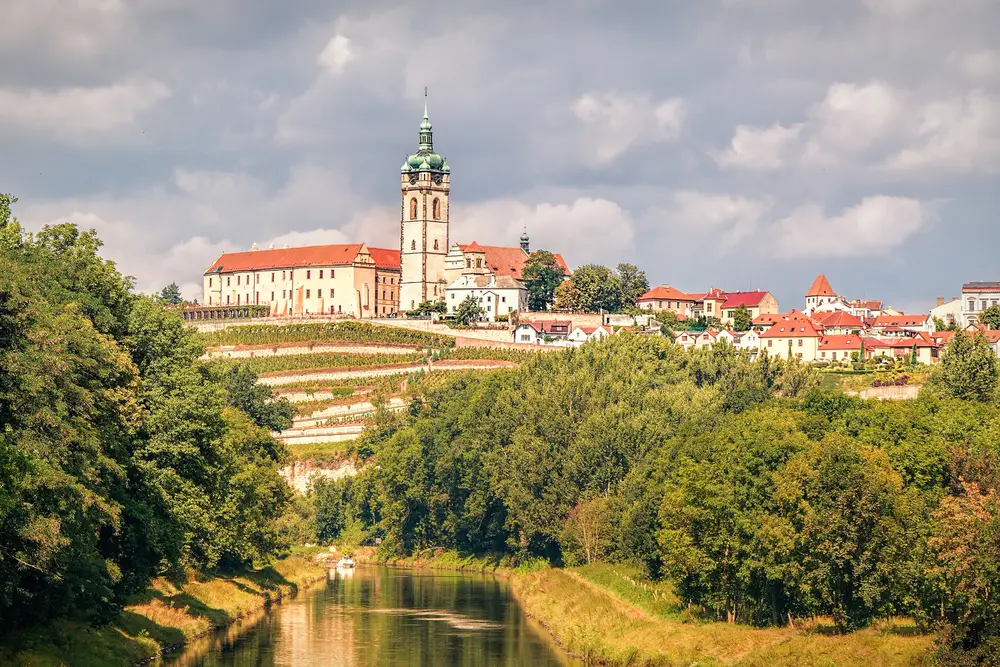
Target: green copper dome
point(425, 159)
point(524, 237)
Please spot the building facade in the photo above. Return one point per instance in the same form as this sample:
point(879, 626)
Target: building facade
point(496, 295)
point(977, 297)
point(327, 279)
point(424, 217)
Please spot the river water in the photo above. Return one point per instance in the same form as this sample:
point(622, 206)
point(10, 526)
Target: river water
point(384, 616)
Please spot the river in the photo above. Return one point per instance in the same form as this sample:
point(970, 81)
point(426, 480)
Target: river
point(387, 617)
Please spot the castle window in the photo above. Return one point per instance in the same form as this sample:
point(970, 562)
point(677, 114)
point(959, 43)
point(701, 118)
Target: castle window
point(413, 208)
point(237, 280)
point(272, 276)
point(435, 242)
point(321, 274)
point(227, 283)
point(468, 263)
point(479, 262)
point(308, 274)
point(413, 244)
point(209, 282)
point(331, 292)
point(272, 296)
point(307, 294)
point(437, 208)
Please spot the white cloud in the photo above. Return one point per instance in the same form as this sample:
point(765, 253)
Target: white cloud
point(724, 219)
point(336, 55)
point(584, 230)
point(76, 112)
point(615, 122)
point(875, 226)
point(759, 149)
point(983, 64)
point(961, 135)
point(851, 119)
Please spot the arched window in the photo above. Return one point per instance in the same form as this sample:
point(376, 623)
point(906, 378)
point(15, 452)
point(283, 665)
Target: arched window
point(413, 208)
point(437, 208)
point(435, 240)
point(468, 263)
point(413, 244)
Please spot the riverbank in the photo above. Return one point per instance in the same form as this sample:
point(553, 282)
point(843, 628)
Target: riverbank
point(167, 615)
point(606, 615)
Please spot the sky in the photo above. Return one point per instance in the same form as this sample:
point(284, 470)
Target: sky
point(740, 144)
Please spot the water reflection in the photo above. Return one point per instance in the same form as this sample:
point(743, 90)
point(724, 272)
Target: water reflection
point(379, 616)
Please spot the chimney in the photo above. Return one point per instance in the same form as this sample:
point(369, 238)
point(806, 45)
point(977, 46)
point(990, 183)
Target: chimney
point(940, 301)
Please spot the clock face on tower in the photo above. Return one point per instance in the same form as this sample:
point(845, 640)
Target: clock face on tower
point(413, 179)
point(437, 178)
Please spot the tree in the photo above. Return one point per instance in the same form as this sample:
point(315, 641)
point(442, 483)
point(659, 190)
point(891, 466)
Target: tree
point(567, 296)
point(171, 294)
point(632, 284)
point(469, 310)
point(256, 400)
point(969, 369)
point(965, 544)
point(991, 317)
point(439, 307)
point(741, 319)
point(589, 527)
point(541, 274)
point(599, 288)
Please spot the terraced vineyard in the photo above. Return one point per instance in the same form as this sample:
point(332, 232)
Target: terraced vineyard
point(321, 360)
point(347, 332)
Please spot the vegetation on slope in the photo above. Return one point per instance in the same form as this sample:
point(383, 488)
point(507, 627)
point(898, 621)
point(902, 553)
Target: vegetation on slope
point(763, 501)
point(346, 332)
point(317, 361)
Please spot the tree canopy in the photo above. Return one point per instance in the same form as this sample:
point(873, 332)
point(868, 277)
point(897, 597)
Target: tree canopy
point(542, 275)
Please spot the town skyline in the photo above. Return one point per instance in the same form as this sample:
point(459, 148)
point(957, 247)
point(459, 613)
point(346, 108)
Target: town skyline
point(863, 150)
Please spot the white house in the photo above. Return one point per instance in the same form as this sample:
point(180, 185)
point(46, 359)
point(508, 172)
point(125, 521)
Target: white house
point(581, 335)
point(548, 332)
point(977, 297)
point(497, 295)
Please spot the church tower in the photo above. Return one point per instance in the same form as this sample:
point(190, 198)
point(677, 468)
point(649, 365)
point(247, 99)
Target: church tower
point(423, 235)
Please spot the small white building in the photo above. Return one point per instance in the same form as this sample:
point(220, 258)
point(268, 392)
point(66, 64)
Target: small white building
point(977, 297)
point(548, 332)
point(497, 295)
point(581, 335)
point(948, 312)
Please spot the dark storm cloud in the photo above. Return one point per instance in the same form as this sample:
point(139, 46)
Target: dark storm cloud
point(734, 143)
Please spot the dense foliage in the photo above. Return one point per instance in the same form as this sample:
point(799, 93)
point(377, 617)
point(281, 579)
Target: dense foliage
point(763, 498)
point(347, 332)
point(593, 288)
point(542, 275)
point(120, 455)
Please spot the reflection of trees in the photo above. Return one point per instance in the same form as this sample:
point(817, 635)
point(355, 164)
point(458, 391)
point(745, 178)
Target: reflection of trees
point(372, 618)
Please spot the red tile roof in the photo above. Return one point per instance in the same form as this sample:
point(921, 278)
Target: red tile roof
point(838, 319)
point(900, 321)
point(847, 342)
point(792, 324)
point(505, 261)
point(821, 287)
point(666, 292)
point(748, 299)
point(385, 258)
point(942, 337)
point(283, 258)
point(551, 326)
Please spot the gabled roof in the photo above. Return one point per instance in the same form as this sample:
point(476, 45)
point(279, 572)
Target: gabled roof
point(550, 326)
point(821, 287)
point(838, 319)
point(666, 292)
point(792, 324)
point(900, 320)
point(504, 261)
point(385, 258)
point(847, 342)
point(287, 258)
point(982, 286)
point(748, 299)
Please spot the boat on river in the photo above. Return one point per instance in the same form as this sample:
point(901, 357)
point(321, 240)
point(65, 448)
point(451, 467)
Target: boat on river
point(346, 563)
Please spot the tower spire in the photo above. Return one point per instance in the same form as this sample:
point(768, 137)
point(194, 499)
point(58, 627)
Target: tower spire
point(425, 101)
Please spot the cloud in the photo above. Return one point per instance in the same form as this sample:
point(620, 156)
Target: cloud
point(79, 112)
point(893, 7)
point(336, 54)
point(875, 226)
point(718, 221)
point(615, 122)
point(759, 149)
point(876, 126)
point(982, 64)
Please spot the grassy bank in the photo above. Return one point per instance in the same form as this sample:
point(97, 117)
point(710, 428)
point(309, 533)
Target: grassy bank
point(167, 614)
point(602, 616)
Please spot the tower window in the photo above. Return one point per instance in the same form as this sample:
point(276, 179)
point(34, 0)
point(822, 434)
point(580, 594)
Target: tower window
point(468, 263)
point(437, 208)
point(272, 276)
point(227, 283)
point(321, 274)
point(331, 292)
point(308, 274)
point(413, 244)
point(413, 208)
point(435, 240)
point(209, 282)
point(307, 294)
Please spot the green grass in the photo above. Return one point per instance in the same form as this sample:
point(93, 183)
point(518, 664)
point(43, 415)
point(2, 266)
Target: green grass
point(320, 360)
point(166, 614)
point(489, 353)
point(602, 627)
point(346, 332)
point(322, 452)
point(656, 598)
point(381, 383)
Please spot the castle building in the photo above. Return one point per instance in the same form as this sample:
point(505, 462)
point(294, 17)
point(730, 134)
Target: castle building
point(360, 281)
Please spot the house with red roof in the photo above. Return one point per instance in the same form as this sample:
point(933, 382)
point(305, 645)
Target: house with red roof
point(793, 335)
point(544, 332)
point(901, 325)
point(821, 297)
point(341, 279)
point(581, 335)
point(665, 297)
point(838, 322)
